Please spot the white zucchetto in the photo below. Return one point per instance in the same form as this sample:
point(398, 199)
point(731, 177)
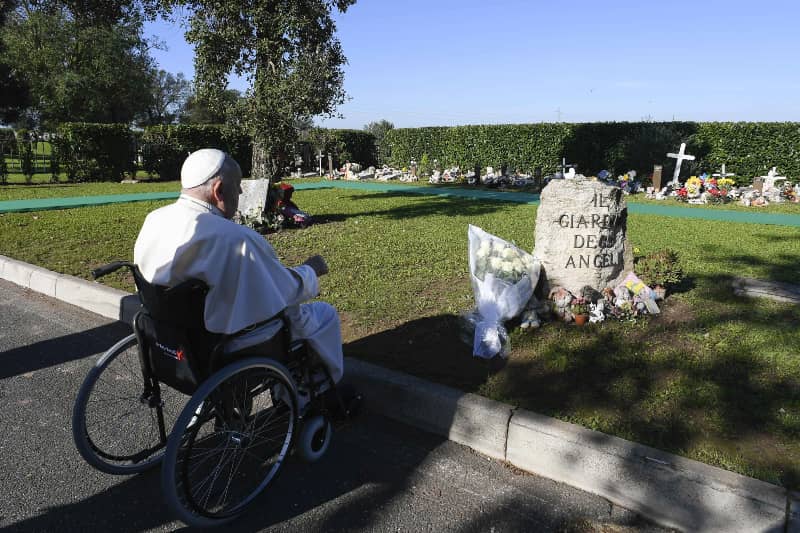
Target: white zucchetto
point(203, 165)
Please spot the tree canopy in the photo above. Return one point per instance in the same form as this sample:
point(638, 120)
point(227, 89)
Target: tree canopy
point(287, 50)
point(168, 99)
point(378, 130)
point(198, 111)
point(81, 60)
point(14, 92)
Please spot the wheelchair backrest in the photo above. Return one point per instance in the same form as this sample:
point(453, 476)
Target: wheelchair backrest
point(171, 329)
point(182, 305)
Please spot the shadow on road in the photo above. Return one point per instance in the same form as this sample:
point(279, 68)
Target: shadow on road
point(59, 350)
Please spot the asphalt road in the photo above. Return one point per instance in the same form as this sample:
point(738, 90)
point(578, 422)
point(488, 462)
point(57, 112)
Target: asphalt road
point(378, 475)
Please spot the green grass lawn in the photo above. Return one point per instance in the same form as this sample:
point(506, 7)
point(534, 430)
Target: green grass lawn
point(714, 378)
point(40, 187)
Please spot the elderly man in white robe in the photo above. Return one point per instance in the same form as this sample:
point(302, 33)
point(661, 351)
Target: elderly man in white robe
point(196, 238)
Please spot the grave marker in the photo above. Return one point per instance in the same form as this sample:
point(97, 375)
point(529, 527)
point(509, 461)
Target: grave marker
point(253, 200)
point(657, 177)
point(771, 178)
point(722, 174)
point(681, 156)
point(581, 235)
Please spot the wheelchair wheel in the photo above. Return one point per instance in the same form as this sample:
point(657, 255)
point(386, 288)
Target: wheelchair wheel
point(115, 429)
point(315, 437)
point(230, 441)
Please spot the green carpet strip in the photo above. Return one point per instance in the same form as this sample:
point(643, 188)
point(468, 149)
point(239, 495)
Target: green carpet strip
point(45, 204)
point(17, 206)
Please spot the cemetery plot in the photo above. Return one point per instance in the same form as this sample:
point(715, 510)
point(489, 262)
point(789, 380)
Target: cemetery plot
point(712, 377)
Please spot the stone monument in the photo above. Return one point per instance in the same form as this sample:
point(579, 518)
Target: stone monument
point(253, 199)
point(581, 236)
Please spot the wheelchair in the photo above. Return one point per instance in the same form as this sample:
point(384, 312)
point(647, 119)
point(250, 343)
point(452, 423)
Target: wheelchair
point(221, 423)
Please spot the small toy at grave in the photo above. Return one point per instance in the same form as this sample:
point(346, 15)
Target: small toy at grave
point(530, 317)
point(562, 299)
point(596, 312)
point(621, 296)
point(608, 296)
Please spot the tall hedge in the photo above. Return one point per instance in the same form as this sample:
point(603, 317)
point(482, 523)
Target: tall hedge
point(749, 148)
point(356, 146)
point(163, 148)
point(95, 152)
point(746, 148)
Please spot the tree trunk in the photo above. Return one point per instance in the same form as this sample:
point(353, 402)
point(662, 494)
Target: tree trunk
point(266, 165)
point(260, 167)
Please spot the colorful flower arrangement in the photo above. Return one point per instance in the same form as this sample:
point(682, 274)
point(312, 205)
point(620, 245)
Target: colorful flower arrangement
point(693, 185)
point(790, 194)
point(579, 306)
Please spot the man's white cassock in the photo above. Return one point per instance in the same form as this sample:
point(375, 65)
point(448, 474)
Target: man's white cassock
point(191, 239)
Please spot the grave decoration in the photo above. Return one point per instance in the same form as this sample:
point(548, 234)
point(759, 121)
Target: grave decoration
point(719, 189)
point(582, 259)
point(266, 207)
point(680, 157)
point(291, 213)
point(704, 189)
point(791, 194)
point(503, 278)
point(628, 183)
point(691, 191)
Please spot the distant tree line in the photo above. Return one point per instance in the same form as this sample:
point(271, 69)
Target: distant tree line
point(77, 61)
point(88, 61)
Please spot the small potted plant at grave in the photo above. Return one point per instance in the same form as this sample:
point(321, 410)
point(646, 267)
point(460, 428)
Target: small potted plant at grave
point(580, 310)
point(659, 270)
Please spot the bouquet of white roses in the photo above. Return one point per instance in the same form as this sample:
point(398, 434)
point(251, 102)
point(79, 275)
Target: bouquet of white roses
point(503, 278)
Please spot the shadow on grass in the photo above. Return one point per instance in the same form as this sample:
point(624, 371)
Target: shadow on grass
point(431, 348)
point(712, 377)
point(779, 267)
point(426, 206)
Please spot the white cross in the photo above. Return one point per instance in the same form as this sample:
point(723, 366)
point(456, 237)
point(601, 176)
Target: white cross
point(770, 179)
point(680, 156)
point(723, 174)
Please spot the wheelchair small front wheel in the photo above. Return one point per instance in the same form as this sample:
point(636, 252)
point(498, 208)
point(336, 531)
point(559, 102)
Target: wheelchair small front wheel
point(314, 439)
point(230, 441)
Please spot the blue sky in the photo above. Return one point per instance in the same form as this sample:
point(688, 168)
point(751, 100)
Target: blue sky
point(447, 62)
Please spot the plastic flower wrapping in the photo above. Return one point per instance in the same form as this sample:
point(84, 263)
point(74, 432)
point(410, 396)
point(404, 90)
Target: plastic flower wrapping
point(503, 278)
point(502, 260)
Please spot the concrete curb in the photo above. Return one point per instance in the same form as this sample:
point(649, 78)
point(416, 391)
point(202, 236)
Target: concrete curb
point(670, 490)
point(105, 301)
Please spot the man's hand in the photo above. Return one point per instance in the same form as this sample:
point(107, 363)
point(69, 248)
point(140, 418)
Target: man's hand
point(318, 264)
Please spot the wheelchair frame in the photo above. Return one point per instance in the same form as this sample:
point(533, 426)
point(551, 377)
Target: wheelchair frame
point(238, 404)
